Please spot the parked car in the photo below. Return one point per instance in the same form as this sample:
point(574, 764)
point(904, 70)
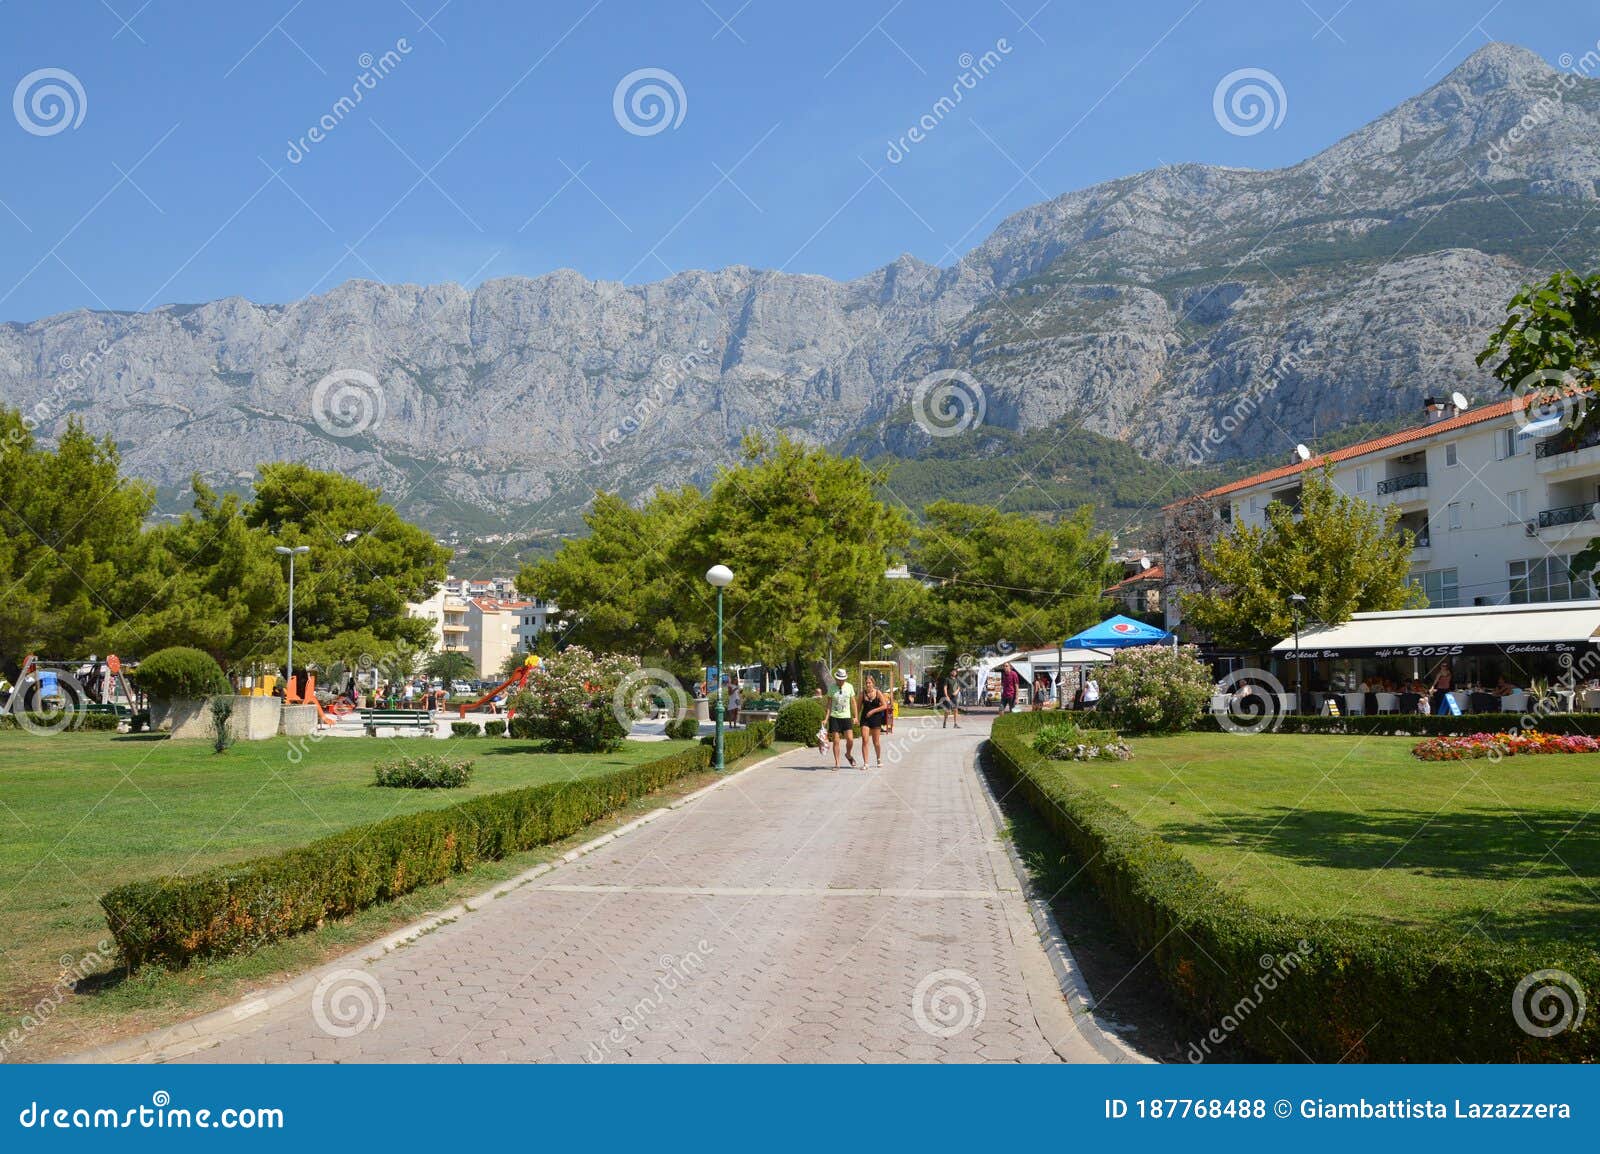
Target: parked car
point(460, 688)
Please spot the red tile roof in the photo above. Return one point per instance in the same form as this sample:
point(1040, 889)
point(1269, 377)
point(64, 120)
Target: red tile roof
point(1154, 573)
point(496, 605)
point(1376, 445)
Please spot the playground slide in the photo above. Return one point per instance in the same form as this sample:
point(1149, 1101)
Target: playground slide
point(519, 678)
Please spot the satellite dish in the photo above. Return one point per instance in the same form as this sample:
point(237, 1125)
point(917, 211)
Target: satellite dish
point(1302, 452)
point(1459, 400)
point(1144, 562)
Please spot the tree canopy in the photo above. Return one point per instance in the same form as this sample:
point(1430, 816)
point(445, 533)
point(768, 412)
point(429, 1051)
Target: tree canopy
point(1009, 576)
point(1342, 554)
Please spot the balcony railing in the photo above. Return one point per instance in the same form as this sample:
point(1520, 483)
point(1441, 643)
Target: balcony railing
point(1566, 442)
point(1566, 515)
point(1400, 484)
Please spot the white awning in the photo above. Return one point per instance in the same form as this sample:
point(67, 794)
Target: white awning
point(1551, 627)
point(1046, 658)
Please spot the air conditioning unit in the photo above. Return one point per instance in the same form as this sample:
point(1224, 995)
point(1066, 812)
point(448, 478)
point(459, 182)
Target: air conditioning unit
point(1531, 528)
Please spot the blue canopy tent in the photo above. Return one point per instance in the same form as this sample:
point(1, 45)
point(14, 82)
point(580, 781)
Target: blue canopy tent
point(1118, 632)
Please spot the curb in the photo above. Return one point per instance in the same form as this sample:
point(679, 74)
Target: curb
point(1069, 977)
point(200, 1033)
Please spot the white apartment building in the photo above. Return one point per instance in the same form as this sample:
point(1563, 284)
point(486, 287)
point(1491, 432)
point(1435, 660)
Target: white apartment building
point(448, 613)
point(532, 620)
point(1498, 505)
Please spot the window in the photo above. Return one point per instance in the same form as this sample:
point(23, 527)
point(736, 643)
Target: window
point(1225, 512)
point(1517, 506)
point(1508, 444)
point(1453, 513)
point(1363, 478)
point(1255, 505)
point(1545, 579)
point(1450, 455)
point(1439, 587)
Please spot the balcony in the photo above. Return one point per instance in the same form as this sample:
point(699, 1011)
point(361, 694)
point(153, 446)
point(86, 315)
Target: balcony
point(1568, 455)
point(1391, 485)
point(1566, 515)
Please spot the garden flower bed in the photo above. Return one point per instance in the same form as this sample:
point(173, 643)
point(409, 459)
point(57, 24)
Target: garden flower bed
point(1497, 745)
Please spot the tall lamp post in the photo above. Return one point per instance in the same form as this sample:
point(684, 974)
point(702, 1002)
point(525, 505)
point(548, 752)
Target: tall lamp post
point(720, 576)
point(297, 551)
point(1297, 602)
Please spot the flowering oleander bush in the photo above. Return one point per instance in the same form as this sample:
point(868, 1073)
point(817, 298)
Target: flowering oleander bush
point(1477, 745)
point(1064, 741)
point(1155, 689)
point(569, 699)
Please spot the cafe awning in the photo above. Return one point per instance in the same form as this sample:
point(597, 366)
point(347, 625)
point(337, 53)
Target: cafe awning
point(1550, 627)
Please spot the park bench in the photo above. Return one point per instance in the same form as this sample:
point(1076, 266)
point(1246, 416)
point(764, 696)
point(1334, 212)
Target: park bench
point(419, 719)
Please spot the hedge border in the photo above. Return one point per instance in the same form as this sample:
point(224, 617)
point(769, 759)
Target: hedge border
point(236, 909)
point(1428, 725)
point(1359, 992)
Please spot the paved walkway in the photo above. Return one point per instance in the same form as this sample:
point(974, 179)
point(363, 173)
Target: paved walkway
point(795, 914)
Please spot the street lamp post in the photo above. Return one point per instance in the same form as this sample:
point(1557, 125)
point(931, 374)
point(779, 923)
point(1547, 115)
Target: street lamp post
point(1297, 602)
point(297, 551)
point(720, 576)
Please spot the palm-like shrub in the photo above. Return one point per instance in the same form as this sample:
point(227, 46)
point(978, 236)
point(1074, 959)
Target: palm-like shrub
point(1155, 689)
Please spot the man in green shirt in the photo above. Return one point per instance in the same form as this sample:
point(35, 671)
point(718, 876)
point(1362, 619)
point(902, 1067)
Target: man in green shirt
point(843, 716)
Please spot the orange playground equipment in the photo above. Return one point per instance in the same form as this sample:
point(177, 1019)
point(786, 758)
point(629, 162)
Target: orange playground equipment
point(335, 710)
point(518, 679)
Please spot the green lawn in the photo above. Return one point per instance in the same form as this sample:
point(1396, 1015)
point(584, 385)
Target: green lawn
point(80, 813)
point(1357, 828)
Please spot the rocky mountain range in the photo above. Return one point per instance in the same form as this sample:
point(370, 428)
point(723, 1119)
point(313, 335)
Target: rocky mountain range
point(1153, 310)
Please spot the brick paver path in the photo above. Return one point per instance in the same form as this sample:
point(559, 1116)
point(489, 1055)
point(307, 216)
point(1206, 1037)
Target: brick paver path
point(795, 914)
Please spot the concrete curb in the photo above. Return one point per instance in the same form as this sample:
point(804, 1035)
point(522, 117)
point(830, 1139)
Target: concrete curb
point(200, 1033)
point(1080, 1002)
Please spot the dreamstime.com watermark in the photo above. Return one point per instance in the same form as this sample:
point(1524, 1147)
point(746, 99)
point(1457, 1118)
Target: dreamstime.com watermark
point(73, 971)
point(1548, 1002)
point(948, 402)
point(1249, 100)
point(64, 384)
point(348, 1002)
point(674, 974)
point(1275, 970)
point(160, 1114)
point(1270, 372)
point(347, 403)
point(649, 100)
point(373, 69)
point(641, 693)
point(1573, 70)
point(948, 1002)
point(973, 69)
point(670, 373)
point(49, 100)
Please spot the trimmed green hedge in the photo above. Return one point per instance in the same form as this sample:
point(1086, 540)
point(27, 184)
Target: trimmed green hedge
point(237, 908)
point(494, 728)
point(464, 729)
point(1357, 993)
point(683, 728)
point(799, 720)
point(1428, 725)
point(83, 722)
point(738, 742)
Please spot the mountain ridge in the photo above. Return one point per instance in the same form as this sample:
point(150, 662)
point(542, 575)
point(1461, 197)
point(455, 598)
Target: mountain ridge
point(1143, 309)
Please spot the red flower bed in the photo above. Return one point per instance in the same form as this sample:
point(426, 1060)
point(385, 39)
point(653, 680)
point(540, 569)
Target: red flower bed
point(1497, 745)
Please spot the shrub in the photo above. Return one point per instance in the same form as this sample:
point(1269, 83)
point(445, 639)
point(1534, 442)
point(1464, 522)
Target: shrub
point(523, 728)
point(465, 728)
point(180, 672)
point(1445, 994)
point(98, 722)
point(426, 771)
point(1064, 741)
point(683, 728)
point(571, 699)
point(221, 730)
point(494, 729)
point(1154, 689)
point(800, 719)
point(738, 742)
point(89, 722)
point(234, 909)
point(1421, 724)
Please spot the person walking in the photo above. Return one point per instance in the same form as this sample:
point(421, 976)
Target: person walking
point(948, 713)
point(1041, 690)
point(735, 703)
point(1442, 685)
point(844, 714)
point(877, 711)
point(1010, 683)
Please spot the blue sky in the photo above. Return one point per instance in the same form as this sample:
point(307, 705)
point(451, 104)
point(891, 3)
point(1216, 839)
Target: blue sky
point(491, 147)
